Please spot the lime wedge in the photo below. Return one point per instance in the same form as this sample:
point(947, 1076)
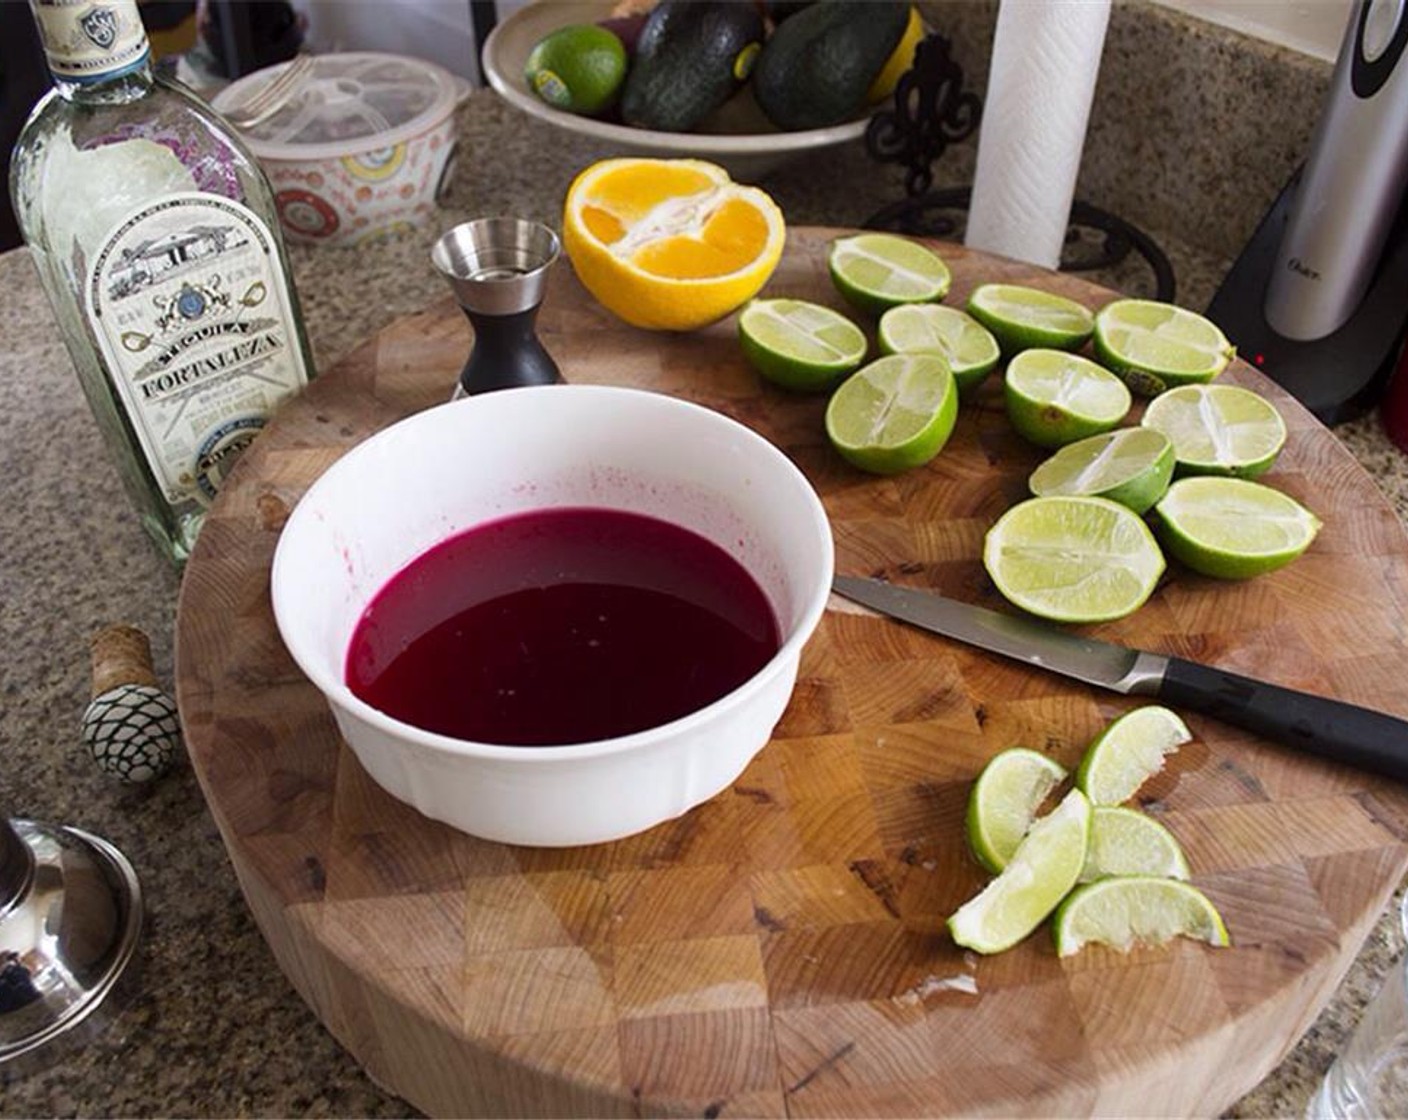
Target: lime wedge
point(1218, 429)
point(1004, 801)
point(1073, 559)
point(1230, 528)
point(1132, 466)
point(931, 328)
point(1128, 842)
point(1139, 910)
point(1054, 398)
point(1129, 752)
point(1155, 346)
point(895, 413)
point(800, 345)
point(877, 271)
point(1022, 318)
point(1045, 866)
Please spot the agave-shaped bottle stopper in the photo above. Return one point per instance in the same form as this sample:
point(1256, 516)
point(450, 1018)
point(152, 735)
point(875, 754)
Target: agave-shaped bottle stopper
point(131, 727)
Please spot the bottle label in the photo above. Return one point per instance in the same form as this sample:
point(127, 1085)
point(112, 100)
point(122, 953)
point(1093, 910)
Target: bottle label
point(87, 40)
point(192, 313)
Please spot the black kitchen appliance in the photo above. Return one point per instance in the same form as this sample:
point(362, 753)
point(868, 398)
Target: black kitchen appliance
point(1318, 300)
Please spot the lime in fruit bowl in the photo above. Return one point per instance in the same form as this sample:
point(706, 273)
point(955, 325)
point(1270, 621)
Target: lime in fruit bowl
point(737, 135)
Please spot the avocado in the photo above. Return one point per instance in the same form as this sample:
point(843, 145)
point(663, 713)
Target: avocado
point(819, 64)
point(690, 58)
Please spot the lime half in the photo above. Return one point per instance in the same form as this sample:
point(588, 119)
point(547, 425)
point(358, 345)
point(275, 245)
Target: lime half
point(800, 345)
point(1004, 801)
point(1218, 429)
point(1128, 842)
point(877, 271)
point(1132, 466)
point(931, 328)
point(895, 413)
point(1073, 559)
point(1022, 318)
point(1138, 910)
point(1129, 752)
point(1230, 528)
point(1054, 398)
point(1045, 866)
point(1155, 346)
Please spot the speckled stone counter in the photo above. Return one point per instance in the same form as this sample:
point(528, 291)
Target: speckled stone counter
point(210, 1027)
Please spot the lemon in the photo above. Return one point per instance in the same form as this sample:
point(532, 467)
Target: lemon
point(1073, 559)
point(1129, 752)
point(1054, 398)
point(1022, 318)
point(1044, 867)
point(900, 61)
point(1004, 801)
point(1218, 429)
point(1229, 528)
point(1128, 842)
point(1132, 466)
point(578, 68)
point(877, 271)
point(932, 328)
point(1136, 910)
point(800, 345)
point(670, 244)
point(895, 413)
point(1155, 346)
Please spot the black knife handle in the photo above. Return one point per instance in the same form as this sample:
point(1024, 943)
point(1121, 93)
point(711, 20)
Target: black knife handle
point(1330, 728)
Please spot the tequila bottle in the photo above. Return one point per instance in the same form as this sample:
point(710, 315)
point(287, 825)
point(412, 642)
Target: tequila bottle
point(156, 239)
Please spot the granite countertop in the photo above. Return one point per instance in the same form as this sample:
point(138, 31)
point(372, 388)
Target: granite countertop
point(211, 1027)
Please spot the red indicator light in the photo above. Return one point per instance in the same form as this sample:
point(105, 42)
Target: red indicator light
point(1259, 359)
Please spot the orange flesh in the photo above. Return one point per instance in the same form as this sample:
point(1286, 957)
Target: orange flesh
point(732, 237)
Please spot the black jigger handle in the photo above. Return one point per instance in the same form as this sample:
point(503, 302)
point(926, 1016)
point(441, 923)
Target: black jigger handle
point(506, 354)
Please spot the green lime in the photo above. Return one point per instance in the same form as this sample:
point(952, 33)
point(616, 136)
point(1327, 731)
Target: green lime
point(800, 345)
point(1129, 752)
point(1073, 559)
point(895, 413)
point(1054, 398)
point(931, 328)
point(579, 68)
point(1132, 466)
point(1137, 910)
point(1045, 866)
point(877, 271)
point(1155, 346)
point(1023, 318)
point(1004, 801)
point(1230, 528)
point(1128, 842)
point(1218, 429)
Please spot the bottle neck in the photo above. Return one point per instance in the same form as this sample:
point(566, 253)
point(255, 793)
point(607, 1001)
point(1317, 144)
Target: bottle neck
point(97, 51)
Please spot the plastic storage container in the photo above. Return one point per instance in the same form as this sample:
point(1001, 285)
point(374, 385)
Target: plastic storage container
point(363, 149)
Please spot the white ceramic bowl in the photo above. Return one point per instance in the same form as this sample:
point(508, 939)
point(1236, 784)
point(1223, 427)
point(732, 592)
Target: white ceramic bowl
point(738, 137)
point(457, 465)
point(363, 149)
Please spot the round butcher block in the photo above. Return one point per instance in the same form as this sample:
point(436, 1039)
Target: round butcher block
point(781, 949)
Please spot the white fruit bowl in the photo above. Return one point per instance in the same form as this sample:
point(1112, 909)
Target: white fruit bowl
point(737, 137)
point(455, 466)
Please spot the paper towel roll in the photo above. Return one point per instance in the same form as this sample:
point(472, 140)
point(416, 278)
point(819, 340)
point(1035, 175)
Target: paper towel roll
point(1045, 59)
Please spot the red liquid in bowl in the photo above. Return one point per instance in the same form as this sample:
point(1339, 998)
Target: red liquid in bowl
point(561, 626)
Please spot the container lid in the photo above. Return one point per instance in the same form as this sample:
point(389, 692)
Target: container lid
point(350, 102)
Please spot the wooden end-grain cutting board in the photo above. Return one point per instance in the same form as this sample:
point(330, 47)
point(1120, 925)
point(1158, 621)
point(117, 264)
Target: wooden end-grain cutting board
point(780, 950)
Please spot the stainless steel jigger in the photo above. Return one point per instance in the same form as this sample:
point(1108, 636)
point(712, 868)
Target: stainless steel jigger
point(498, 270)
point(70, 919)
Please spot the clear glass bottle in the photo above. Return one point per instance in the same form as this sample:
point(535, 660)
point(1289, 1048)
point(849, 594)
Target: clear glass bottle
point(156, 238)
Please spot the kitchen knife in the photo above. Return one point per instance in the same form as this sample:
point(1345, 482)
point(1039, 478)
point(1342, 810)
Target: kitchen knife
point(1331, 728)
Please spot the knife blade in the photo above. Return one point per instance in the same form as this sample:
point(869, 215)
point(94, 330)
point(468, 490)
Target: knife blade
point(1318, 725)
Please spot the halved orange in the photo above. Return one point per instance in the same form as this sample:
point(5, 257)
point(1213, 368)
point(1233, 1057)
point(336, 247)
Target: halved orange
point(670, 244)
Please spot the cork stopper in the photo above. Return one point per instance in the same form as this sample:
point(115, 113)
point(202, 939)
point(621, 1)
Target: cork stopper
point(121, 655)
